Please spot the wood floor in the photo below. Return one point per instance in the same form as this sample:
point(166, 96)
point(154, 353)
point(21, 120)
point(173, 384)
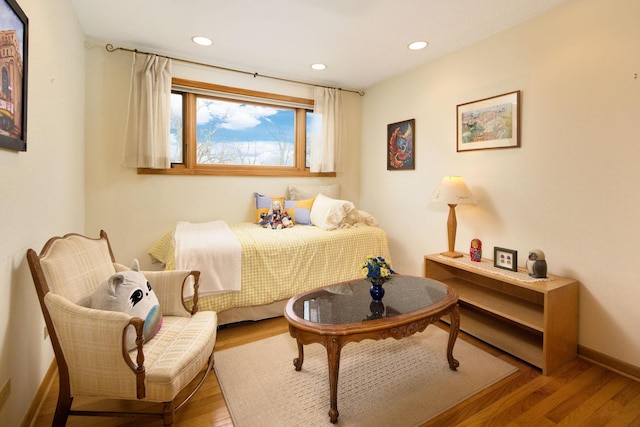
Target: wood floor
point(579, 394)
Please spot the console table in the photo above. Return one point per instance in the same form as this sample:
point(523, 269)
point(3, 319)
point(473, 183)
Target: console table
point(535, 320)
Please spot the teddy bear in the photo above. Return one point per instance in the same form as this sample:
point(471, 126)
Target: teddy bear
point(130, 292)
point(276, 218)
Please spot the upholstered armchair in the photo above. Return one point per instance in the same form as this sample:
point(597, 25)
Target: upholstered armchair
point(90, 345)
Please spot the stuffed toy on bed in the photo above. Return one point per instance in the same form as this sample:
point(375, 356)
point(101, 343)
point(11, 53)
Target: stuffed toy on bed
point(130, 292)
point(276, 219)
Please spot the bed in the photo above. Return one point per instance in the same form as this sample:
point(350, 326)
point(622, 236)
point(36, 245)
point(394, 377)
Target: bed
point(277, 264)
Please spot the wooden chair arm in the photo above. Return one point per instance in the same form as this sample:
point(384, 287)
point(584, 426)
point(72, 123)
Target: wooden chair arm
point(93, 342)
point(169, 287)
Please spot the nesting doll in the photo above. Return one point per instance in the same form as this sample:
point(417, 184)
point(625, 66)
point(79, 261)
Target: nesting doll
point(475, 252)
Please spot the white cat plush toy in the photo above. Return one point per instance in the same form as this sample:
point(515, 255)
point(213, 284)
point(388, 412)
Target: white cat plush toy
point(130, 292)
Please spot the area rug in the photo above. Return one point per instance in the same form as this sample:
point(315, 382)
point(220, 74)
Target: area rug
point(381, 383)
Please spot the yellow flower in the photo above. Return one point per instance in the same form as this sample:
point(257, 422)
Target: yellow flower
point(377, 268)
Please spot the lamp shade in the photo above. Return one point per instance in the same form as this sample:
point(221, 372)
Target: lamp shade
point(453, 191)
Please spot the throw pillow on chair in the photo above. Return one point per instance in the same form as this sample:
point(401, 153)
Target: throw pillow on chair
point(130, 292)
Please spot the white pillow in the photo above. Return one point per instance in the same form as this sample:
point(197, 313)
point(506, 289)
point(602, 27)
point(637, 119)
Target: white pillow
point(328, 213)
point(304, 192)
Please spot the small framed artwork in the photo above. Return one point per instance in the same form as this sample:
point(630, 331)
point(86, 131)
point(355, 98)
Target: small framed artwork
point(401, 145)
point(505, 258)
point(14, 35)
point(489, 123)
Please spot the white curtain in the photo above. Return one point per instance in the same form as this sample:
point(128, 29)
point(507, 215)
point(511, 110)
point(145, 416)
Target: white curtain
point(326, 131)
point(148, 122)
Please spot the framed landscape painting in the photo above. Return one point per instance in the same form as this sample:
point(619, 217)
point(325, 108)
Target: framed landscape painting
point(14, 34)
point(401, 145)
point(489, 123)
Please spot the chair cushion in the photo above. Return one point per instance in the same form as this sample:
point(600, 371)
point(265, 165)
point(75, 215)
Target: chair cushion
point(178, 353)
point(75, 266)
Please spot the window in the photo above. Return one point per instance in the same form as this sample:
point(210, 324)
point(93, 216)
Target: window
point(218, 130)
point(230, 132)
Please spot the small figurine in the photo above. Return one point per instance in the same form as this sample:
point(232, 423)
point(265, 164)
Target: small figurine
point(475, 252)
point(536, 264)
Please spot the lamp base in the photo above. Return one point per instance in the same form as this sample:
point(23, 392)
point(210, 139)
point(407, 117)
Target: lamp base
point(451, 254)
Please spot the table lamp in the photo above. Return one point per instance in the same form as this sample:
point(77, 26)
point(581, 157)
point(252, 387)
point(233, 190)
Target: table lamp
point(452, 191)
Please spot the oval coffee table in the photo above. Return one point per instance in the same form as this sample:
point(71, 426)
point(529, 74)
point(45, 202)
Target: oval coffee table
point(338, 314)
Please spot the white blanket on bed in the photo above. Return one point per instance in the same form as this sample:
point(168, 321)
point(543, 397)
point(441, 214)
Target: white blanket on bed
point(214, 250)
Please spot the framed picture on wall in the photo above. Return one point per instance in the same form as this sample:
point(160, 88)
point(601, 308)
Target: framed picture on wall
point(14, 35)
point(401, 145)
point(489, 123)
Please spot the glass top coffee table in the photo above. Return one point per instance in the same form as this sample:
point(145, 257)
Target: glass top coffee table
point(338, 314)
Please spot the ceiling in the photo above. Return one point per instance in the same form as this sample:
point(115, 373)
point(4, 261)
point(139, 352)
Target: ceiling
point(362, 42)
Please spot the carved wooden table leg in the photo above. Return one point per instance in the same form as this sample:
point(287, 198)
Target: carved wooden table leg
point(453, 334)
point(297, 362)
point(336, 335)
point(333, 355)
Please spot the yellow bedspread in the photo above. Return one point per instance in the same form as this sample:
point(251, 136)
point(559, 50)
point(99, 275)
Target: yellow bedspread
point(277, 264)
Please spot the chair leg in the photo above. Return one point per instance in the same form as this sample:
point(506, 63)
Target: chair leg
point(62, 410)
point(169, 414)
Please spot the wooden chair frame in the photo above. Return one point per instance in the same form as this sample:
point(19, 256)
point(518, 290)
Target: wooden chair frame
point(65, 399)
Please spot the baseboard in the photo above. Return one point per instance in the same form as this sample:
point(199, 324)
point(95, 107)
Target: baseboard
point(623, 368)
point(38, 400)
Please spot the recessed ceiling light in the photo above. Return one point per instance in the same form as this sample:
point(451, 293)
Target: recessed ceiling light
point(202, 41)
point(418, 45)
point(318, 66)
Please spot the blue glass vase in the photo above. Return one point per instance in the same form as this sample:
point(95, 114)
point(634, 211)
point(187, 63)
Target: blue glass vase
point(376, 290)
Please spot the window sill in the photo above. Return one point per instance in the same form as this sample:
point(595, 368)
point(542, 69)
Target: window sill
point(235, 171)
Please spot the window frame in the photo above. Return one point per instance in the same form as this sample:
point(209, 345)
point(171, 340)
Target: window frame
point(191, 89)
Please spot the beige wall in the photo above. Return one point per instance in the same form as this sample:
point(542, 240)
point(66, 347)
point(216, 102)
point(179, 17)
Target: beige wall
point(136, 210)
point(41, 193)
point(570, 190)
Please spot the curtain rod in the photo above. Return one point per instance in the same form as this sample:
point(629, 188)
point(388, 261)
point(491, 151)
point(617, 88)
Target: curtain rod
point(110, 48)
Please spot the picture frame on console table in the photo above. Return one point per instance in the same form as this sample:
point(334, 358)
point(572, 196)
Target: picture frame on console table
point(506, 259)
point(14, 28)
point(489, 123)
